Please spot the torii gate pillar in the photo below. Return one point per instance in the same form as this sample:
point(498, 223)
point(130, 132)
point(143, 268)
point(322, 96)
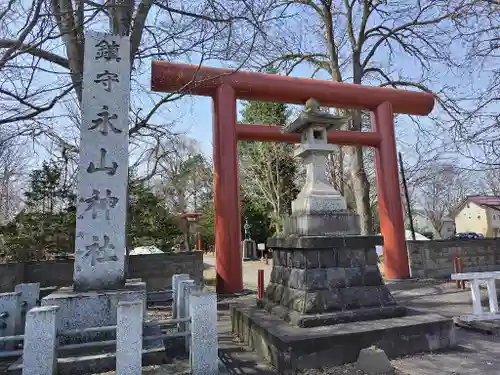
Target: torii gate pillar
point(226, 86)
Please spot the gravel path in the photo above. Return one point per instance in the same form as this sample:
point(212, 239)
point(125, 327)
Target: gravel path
point(349, 369)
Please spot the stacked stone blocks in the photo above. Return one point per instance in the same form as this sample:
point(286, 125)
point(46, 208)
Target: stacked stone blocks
point(341, 281)
point(434, 259)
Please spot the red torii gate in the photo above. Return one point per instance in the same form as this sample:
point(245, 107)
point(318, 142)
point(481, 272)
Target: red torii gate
point(226, 86)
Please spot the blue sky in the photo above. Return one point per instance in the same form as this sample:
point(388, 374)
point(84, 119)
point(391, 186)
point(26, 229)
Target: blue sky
point(193, 115)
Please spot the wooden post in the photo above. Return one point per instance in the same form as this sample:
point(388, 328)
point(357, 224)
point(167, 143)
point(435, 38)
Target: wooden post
point(389, 197)
point(226, 193)
point(260, 284)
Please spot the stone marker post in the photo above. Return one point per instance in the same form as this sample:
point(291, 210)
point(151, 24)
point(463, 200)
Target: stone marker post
point(130, 316)
point(103, 168)
point(40, 341)
point(176, 279)
point(10, 317)
point(181, 302)
point(189, 289)
point(30, 297)
point(204, 345)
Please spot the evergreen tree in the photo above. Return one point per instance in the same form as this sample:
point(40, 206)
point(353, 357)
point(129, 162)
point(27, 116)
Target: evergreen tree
point(150, 224)
point(49, 190)
point(46, 225)
point(268, 168)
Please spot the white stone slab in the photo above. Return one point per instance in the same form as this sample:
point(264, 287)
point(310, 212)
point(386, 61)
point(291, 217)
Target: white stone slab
point(479, 317)
point(129, 338)
point(492, 295)
point(204, 344)
point(10, 317)
point(175, 287)
point(476, 275)
point(103, 169)
point(39, 351)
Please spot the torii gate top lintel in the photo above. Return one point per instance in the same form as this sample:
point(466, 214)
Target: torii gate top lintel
point(203, 81)
point(226, 86)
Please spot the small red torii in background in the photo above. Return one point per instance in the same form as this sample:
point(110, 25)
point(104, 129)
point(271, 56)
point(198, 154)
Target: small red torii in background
point(225, 86)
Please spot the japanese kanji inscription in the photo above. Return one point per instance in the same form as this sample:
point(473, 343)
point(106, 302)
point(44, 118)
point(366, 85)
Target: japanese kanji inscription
point(106, 78)
point(103, 121)
point(103, 167)
point(99, 253)
point(109, 169)
point(95, 203)
point(108, 50)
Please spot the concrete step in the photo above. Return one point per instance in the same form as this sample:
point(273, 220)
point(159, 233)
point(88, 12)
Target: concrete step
point(95, 363)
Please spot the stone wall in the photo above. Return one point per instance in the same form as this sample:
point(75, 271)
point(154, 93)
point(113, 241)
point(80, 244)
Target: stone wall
point(154, 269)
point(434, 259)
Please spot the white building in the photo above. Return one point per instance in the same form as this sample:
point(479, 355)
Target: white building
point(423, 224)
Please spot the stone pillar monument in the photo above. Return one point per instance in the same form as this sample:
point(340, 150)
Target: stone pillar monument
point(325, 281)
point(103, 170)
point(100, 247)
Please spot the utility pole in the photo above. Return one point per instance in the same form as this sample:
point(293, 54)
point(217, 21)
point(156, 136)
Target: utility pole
point(407, 197)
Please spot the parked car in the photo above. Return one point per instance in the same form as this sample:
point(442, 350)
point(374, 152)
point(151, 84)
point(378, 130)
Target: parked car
point(468, 235)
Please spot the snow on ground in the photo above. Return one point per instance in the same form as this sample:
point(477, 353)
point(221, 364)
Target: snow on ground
point(418, 237)
point(144, 250)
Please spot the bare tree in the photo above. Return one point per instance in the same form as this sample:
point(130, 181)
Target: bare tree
point(477, 135)
point(440, 189)
point(361, 42)
point(12, 163)
point(491, 182)
point(42, 43)
point(269, 172)
point(184, 176)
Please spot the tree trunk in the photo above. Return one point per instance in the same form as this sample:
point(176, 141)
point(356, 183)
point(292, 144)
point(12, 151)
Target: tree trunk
point(360, 184)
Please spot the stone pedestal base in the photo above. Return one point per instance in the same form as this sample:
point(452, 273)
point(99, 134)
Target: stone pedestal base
point(79, 310)
point(248, 250)
point(322, 280)
point(290, 348)
point(337, 223)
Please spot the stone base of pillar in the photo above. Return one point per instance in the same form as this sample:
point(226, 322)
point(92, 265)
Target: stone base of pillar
point(327, 223)
point(318, 280)
point(291, 348)
point(79, 310)
point(325, 301)
point(248, 250)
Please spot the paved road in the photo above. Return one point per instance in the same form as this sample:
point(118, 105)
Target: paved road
point(250, 269)
point(476, 354)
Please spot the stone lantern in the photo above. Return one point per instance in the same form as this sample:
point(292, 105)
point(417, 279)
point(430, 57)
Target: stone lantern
point(319, 208)
point(324, 272)
point(326, 299)
point(190, 218)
